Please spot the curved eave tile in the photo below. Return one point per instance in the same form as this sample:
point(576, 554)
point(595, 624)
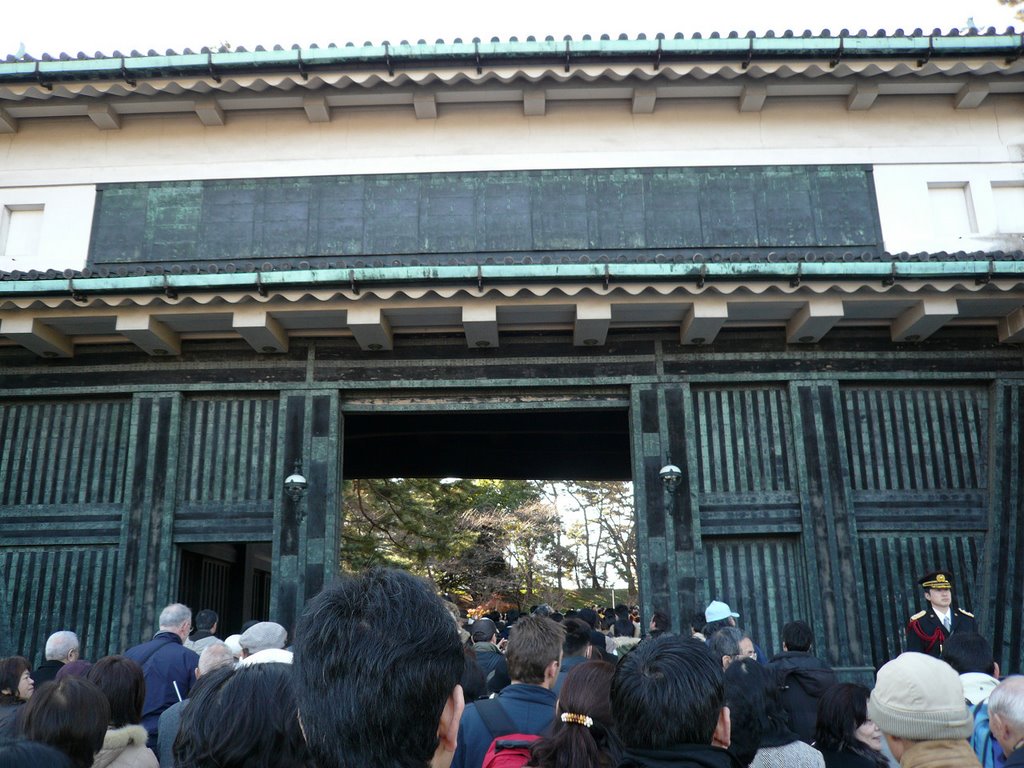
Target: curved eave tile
point(456, 76)
point(298, 296)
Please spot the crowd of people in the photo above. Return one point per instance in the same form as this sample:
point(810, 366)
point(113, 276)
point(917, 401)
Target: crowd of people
point(383, 672)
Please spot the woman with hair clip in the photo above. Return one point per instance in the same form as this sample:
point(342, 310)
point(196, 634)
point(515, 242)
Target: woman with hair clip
point(581, 735)
point(843, 733)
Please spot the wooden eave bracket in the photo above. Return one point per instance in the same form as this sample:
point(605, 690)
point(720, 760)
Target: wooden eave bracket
point(862, 97)
point(425, 105)
point(480, 322)
point(104, 117)
point(260, 330)
point(816, 318)
point(371, 329)
point(923, 319)
point(148, 334)
point(8, 124)
point(753, 97)
point(1011, 327)
point(317, 109)
point(210, 113)
point(644, 100)
point(593, 318)
point(534, 102)
point(703, 321)
point(971, 95)
point(33, 334)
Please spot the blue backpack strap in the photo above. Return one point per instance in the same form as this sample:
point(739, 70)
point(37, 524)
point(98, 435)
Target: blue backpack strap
point(495, 718)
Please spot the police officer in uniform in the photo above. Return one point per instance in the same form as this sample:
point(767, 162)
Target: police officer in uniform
point(927, 631)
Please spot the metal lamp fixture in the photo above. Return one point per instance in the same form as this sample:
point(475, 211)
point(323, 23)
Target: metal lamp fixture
point(295, 484)
point(671, 476)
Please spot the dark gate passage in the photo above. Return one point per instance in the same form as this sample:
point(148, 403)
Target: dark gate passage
point(507, 445)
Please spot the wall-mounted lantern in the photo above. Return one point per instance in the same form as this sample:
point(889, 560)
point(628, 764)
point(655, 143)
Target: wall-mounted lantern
point(671, 476)
point(295, 486)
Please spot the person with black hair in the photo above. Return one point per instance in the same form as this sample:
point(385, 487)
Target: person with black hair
point(242, 717)
point(802, 677)
point(970, 655)
point(16, 687)
point(668, 700)
point(659, 624)
point(70, 714)
point(484, 633)
point(375, 688)
point(122, 682)
point(843, 733)
point(724, 646)
point(575, 649)
point(206, 631)
point(21, 753)
point(124, 744)
point(623, 626)
point(582, 734)
point(748, 709)
point(756, 706)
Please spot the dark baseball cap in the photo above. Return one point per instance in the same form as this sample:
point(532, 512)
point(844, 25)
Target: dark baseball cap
point(482, 630)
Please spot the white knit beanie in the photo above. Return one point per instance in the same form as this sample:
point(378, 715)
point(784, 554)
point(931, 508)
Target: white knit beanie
point(920, 698)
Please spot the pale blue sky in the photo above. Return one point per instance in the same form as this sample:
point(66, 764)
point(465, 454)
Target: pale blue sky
point(106, 25)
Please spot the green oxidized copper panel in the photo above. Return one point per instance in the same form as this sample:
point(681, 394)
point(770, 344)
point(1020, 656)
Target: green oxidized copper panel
point(919, 483)
point(50, 588)
point(229, 477)
point(557, 216)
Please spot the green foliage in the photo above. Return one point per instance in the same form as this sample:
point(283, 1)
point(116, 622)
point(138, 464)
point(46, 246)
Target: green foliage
point(487, 541)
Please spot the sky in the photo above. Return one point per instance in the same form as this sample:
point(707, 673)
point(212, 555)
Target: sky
point(66, 26)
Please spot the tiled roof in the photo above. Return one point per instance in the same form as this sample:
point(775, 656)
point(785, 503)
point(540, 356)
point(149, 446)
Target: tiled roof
point(787, 45)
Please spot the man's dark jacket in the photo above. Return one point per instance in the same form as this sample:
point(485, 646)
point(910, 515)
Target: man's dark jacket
point(46, 671)
point(802, 678)
point(164, 661)
point(679, 756)
point(568, 664)
point(493, 665)
point(926, 634)
point(531, 708)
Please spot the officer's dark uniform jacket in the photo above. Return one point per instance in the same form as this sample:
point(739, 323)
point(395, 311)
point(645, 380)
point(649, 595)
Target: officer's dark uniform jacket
point(926, 634)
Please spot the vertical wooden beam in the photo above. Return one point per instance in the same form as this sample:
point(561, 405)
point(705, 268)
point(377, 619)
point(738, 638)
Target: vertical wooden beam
point(306, 533)
point(1002, 588)
point(145, 543)
point(829, 530)
point(668, 534)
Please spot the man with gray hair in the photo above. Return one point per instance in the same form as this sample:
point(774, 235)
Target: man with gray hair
point(167, 665)
point(1006, 719)
point(214, 656)
point(61, 647)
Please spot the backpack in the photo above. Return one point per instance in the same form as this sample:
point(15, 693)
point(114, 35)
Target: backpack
point(989, 753)
point(508, 749)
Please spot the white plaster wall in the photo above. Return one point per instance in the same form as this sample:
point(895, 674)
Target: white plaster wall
point(906, 211)
point(66, 225)
point(910, 141)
